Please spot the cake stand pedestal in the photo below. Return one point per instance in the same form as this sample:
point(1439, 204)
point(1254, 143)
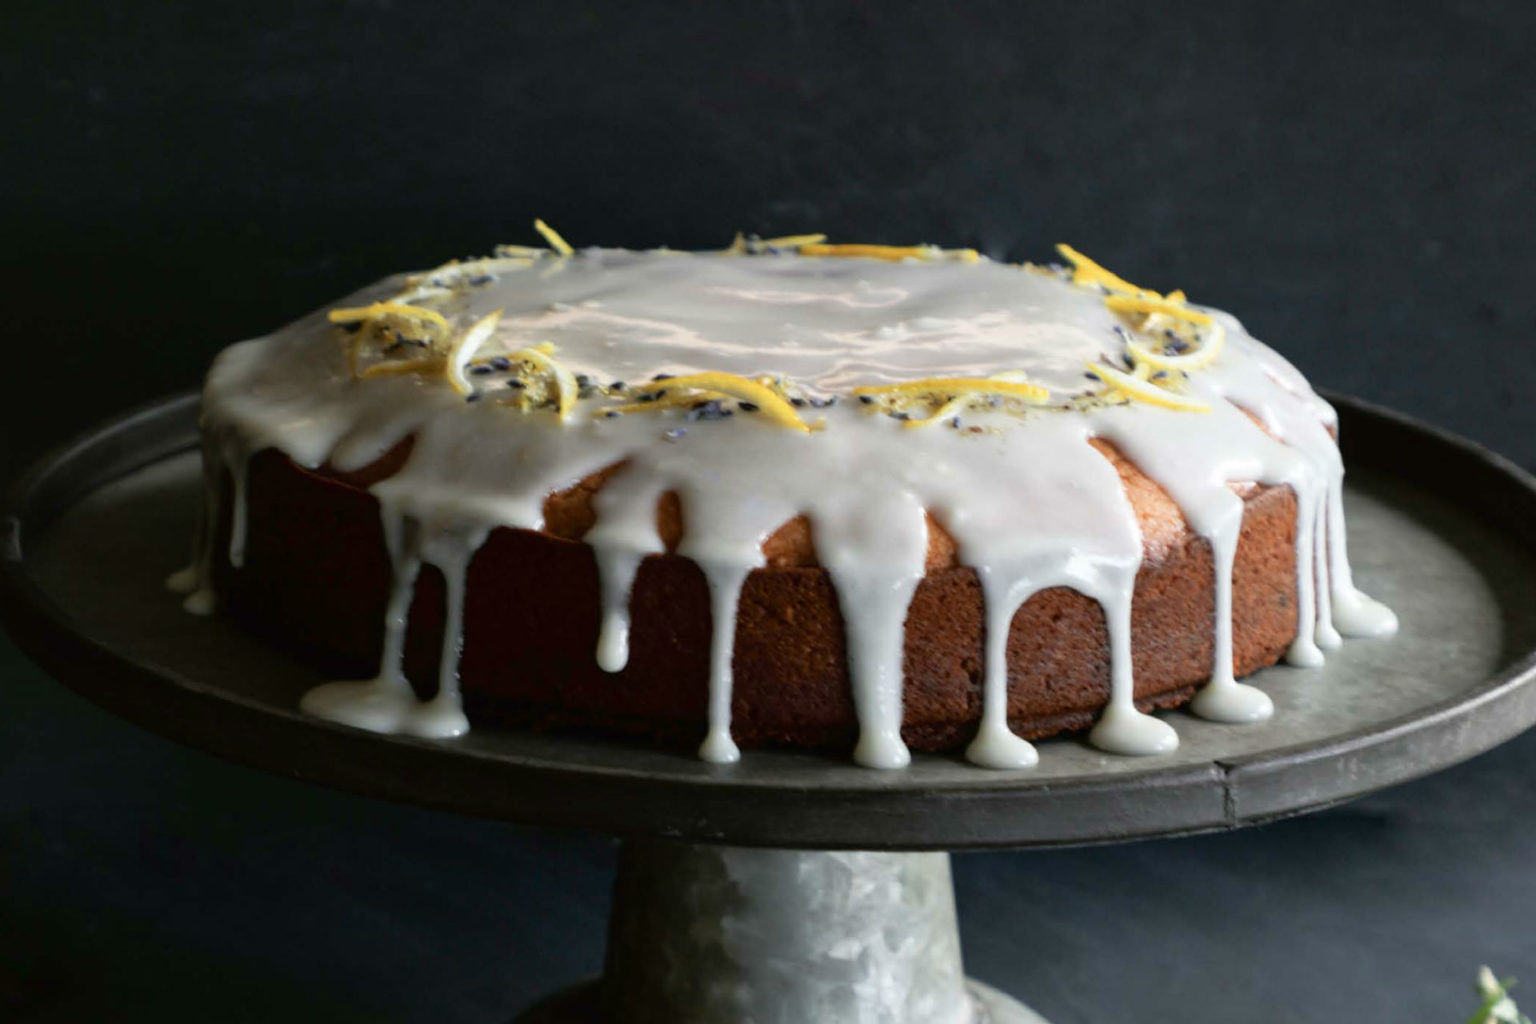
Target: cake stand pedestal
point(721, 935)
point(794, 887)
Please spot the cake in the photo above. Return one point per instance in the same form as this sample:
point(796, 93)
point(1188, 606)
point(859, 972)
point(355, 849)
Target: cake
point(859, 497)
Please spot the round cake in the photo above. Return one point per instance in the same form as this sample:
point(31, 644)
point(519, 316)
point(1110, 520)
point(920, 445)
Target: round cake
point(791, 493)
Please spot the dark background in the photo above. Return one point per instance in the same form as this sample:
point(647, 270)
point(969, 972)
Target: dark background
point(1354, 180)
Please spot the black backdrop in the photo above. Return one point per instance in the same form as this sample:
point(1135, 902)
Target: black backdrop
point(1353, 179)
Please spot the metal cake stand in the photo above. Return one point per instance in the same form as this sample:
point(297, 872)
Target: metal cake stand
point(793, 887)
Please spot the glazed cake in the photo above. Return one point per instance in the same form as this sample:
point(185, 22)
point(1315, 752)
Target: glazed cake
point(790, 492)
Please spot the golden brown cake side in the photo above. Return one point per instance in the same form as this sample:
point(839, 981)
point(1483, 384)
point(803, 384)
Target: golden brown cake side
point(316, 577)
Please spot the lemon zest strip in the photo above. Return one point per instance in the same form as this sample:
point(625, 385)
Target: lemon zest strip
point(666, 401)
point(729, 384)
point(951, 408)
point(893, 253)
point(373, 311)
point(401, 367)
point(1086, 271)
point(1146, 304)
point(465, 347)
point(565, 382)
point(769, 403)
point(552, 236)
point(1199, 359)
point(794, 241)
point(954, 386)
point(1141, 390)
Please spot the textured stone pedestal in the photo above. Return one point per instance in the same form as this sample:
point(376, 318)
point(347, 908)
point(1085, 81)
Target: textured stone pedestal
point(724, 935)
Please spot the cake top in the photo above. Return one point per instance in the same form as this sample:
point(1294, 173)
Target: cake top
point(919, 333)
point(863, 387)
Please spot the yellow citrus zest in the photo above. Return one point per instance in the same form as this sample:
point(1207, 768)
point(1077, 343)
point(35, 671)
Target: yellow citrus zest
point(1144, 391)
point(793, 241)
point(1199, 359)
point(379, 310)
point(401, 367)
point(893, 253)
point(566, 388)
point(1085, 271)
point(1149, 305)
point(465, 347)
point(552, 236)
point(950, 387)
point(769, 403)
point(671, 400)
point(948, 410)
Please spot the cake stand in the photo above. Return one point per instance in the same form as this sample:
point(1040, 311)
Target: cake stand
point(793, 887)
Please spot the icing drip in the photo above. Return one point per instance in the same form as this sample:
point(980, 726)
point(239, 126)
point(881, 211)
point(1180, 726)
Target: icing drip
point(875, 557)
point(995, 745)
point(196, 579)
point(624, 534)
point(1029, 502)
point(1354, 613)
point(1122, 729)
point(616, 572)
point(724, 591)
point(387, 703)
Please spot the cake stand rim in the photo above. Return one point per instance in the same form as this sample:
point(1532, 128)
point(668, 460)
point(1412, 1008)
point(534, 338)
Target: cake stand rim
point(1221, 793)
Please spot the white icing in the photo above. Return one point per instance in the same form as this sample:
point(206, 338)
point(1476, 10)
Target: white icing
point(1029, 502)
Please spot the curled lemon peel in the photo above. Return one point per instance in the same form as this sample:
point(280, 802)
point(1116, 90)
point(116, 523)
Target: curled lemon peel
point(402, 367)
point(1166, 307)
point(465, 347)
point(566, 388)
point(1086, 271)
point(955, 386)
point(793, 241)
point(768, 402)
point(949, 409)
point(666, 401)
point(560, 245)
point(1199, 359)
point(956, 405)
point(1144, 391)
point(380, 310)
point(892, 253)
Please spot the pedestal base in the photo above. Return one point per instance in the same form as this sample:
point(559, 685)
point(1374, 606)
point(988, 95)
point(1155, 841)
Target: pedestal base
point(582, 1004)
point(722, 935)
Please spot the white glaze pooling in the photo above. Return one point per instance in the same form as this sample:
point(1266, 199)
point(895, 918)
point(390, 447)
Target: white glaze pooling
point(1029, 501)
